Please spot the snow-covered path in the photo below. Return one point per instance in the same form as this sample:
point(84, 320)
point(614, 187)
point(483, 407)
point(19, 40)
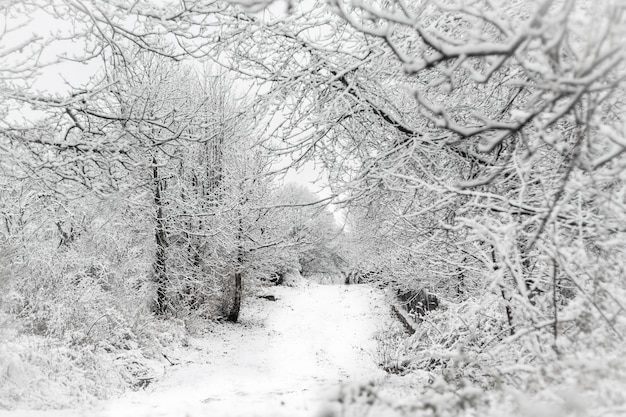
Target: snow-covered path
point(285, 358)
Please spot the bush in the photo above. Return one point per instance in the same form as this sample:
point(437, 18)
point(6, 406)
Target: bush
point(75, 323)
point(476, 363)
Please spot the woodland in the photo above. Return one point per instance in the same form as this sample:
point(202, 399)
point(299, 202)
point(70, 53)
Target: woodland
point(473, 149)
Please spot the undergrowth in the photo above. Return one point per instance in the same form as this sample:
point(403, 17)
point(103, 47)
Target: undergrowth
point(477, 367)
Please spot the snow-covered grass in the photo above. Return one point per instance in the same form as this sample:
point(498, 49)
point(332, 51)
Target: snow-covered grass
point(320, 351)
point(286, 357)
point(36, 372)
point(44, 372)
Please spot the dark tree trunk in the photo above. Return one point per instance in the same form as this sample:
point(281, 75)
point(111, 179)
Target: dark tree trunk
point(460, 280)
point(214, 168)
point(508, 310)
point(160, 234)
point(233, 316)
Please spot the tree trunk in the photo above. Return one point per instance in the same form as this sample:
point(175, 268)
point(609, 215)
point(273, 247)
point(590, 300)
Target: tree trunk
point(233, 316)
point(160, 234)
point(507, 308)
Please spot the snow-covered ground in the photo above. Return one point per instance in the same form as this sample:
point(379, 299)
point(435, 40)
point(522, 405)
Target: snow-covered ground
point(288, 357)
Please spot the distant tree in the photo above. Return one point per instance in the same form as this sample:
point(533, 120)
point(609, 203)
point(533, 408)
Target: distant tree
point(310, 225)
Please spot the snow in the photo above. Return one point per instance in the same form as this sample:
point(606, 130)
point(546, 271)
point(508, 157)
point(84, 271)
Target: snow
point(288, 357)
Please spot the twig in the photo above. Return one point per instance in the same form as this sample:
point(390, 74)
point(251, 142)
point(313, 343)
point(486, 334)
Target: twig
point(405, 322)
point(168, 359)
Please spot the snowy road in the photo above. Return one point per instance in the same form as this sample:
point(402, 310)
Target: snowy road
point(286, 358)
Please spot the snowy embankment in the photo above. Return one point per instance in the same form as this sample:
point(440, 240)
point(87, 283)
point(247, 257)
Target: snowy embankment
point(285, 358)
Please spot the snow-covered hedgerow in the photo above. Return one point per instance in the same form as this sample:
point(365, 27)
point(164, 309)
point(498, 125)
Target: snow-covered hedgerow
point(37, 372)
point(475, 365)
point(75, 319)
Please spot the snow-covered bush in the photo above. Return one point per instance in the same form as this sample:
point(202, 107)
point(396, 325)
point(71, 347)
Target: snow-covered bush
point(475, 363)
point(392, 351)
point(76, 326)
